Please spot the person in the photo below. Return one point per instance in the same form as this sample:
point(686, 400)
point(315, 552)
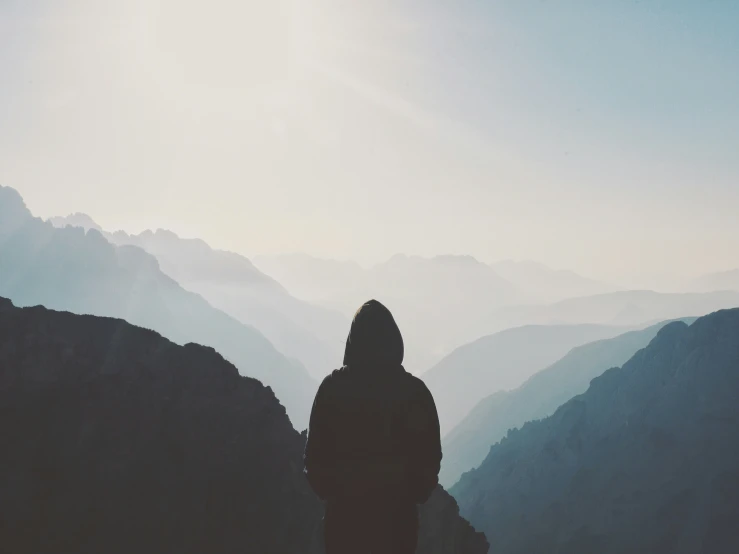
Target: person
point(373, 451)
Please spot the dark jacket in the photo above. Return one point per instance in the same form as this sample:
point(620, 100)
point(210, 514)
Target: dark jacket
point(374, 430)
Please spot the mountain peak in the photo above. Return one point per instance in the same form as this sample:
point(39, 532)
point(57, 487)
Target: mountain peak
point(6, 304)
point(166, 234)
point(13, 210)
point(77, 219)
point(457, 259)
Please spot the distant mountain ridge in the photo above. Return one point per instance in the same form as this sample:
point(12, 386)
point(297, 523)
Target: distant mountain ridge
point(117, 440)
point(541, 284)
point(313, 279)
point(501, 361)
point(78, 219)
point(436, 301)
point(646, 460)
point(723, 280)
point(79, 271)
point(466, 446)
point(448, 301)
point(631, 307)
point(231, 283)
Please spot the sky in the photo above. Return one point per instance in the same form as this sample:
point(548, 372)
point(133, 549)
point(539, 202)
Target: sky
point(598, 136)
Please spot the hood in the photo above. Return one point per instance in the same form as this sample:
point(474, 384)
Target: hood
point(374, 338)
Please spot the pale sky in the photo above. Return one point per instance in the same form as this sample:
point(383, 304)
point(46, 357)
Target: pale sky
point(599, 136)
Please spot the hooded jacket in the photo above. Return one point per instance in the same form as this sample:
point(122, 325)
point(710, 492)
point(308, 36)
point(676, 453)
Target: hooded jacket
point(374, 430)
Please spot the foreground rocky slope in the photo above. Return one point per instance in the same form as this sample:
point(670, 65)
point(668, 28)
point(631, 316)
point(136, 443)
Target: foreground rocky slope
point(117, 440)
point(647, 460)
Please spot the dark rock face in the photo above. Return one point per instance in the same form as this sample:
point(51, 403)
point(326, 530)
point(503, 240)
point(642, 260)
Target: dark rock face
point(118, 440)
point(443, 531)
point(647, 460)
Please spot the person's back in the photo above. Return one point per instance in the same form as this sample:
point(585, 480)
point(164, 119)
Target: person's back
point(373, 448)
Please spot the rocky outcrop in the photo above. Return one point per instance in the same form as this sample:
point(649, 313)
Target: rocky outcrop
point(118, 440)
point(443, 531)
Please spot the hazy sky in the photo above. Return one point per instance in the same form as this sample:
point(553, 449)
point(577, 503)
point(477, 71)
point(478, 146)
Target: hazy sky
point(601, 136)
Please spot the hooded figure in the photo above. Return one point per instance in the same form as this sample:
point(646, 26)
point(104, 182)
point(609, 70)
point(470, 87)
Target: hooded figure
point(373, 450)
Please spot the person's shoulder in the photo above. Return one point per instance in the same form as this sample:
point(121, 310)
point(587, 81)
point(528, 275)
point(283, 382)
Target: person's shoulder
point(336, 376)
point(416, 383)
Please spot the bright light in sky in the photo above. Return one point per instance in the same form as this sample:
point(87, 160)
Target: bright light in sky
point(600, 137)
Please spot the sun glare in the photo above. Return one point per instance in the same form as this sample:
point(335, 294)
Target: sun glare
point(225, 53)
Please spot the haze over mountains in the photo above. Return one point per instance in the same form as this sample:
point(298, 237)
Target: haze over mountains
point(502, 356)
point(70, 269)
point(302, 304)
point(644, 461)
point(230, 282)
point(501, 362)
point(466, 445)
point(544, 195)
point(723, 280)
point(118, 440)
point(448, 301)
point(618, 308)
point(424, 294)
point(540, 284)
point(332, 282)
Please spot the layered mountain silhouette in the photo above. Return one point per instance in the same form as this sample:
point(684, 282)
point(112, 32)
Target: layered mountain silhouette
point(318, 280)
point(501, 362)
point(647, 460)
point(436, 301)
point(76, 220)
point(466, 446)
point(70, 269)
point(444, 302)
point(635, 307)
point(118, 440)
point(230, 282)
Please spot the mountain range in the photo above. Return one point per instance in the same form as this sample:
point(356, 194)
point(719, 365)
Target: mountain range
point(444, 302)
point(723, 280)
point(117, 440)
point(466, 446)
point(440, 302)
point(540, 284)
point(646, 460)
point(634, 307)
point(231, 283)
point(71, 269)
point(501, 362)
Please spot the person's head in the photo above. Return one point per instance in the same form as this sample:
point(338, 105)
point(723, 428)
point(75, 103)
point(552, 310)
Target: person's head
point(374, 338)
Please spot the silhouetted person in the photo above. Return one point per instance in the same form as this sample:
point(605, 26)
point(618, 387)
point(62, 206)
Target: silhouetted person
point(373, 450)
